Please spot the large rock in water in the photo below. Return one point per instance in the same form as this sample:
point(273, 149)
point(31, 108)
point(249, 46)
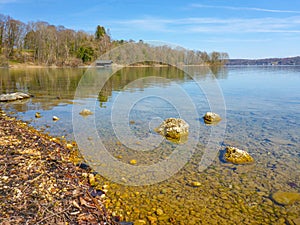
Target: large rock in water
point(211, 118)
point(13, 96)
point(237, 156)
point(86, 112)
point(286, 198)
point(173, 128)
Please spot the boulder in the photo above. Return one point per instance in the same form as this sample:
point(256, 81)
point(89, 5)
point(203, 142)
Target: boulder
point(86, 112)
point(211, 118)
point(237, 156)
point(286, 198)
point(13, 96)
point(173, 128)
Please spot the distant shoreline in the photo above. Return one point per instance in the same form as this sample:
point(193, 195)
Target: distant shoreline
point(289, 61)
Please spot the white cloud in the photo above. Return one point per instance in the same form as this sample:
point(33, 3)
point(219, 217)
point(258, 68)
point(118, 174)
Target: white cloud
point(245, 8)
point(212, 25)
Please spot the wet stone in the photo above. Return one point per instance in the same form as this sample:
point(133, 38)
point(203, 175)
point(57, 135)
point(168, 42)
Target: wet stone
point(13, 96)
point(86, 112)
point(211, 118)
point(237, 156)
point(173, 128)
point(195, 184)
point(55, 118)
point(286, 198)
point(159, 212)
point(37, 115)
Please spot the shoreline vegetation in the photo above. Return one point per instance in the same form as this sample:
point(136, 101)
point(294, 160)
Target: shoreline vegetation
point(41, 181)
point(42, 44)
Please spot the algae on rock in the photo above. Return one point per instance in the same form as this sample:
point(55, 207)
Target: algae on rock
point(237, 156)
point(174, 129)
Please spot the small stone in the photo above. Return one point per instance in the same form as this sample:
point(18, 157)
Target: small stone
point(296, 221)
point(55, 118)
point(237, 156)
point(85, 175)
point(69, 146)
point(196, 184)
point(159, 212)
point(211, 118)
point(86, 112)
point(163, 218)
point(133, 162)
point(286, 198)
point(5, 178)
point(163, 191)
point(92, 179)
point(281, 220)
point(37, 115)
point(140, 222)
point(102, 196)
point(152, 219)
point(105, 186)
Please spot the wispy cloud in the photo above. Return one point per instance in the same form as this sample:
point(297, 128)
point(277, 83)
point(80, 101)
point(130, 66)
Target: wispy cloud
point(235, 40)
point(212, 25)
point(245, 8)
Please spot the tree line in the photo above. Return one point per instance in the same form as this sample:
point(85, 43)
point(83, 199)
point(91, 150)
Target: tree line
point(45, 44)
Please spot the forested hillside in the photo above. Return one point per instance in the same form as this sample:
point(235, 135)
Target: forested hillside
point(268, 61)
point(44, 44)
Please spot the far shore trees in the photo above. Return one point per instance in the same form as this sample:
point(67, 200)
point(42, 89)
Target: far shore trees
point(45, 44)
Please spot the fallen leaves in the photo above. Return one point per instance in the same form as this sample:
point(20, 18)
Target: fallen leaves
point(38, 182)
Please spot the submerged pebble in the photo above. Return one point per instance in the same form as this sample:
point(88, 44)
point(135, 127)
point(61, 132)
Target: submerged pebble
point(286, 198)
point(133, 162)
point(159, 212)
point(196, 184)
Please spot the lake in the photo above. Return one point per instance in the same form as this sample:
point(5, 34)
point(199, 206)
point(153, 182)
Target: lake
point(259, 107)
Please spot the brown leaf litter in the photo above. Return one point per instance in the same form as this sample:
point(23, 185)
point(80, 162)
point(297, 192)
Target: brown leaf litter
point(39, 184)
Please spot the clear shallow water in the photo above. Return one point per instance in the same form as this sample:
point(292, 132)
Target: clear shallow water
point(262, 117)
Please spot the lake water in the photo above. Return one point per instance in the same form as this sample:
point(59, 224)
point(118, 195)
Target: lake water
point(260, 109)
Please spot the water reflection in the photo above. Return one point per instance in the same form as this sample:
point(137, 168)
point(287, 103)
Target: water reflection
point(55, 86)
point(50, 87)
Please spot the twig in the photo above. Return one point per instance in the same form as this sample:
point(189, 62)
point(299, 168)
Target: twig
point(53, 214)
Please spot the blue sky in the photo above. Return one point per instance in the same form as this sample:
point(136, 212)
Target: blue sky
point(244, 29)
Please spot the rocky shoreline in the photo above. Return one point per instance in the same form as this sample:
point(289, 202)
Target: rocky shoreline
point(40, 183)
